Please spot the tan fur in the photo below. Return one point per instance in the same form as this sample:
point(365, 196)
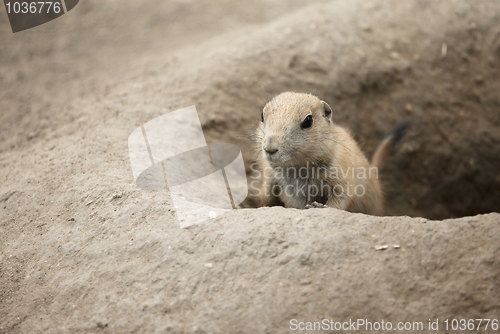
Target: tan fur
point(321, 157)
point(381, 152)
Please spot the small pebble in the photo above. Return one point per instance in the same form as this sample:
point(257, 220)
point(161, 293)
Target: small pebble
point(409, 109)
point(444, 50)
point(381, 247)
point(117, 195)
point(394, 55)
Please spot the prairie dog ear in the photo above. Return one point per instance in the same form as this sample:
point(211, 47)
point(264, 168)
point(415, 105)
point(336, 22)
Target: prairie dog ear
point(328, 110)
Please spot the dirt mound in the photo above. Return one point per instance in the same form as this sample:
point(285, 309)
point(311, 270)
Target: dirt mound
point(83, 249)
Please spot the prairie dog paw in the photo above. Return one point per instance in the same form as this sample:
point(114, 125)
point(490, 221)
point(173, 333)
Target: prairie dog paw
point(315, 205)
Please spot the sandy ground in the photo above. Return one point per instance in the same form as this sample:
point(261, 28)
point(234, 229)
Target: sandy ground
point(83, 249)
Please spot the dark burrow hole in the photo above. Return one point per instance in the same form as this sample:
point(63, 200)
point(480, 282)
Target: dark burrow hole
point(447, 165)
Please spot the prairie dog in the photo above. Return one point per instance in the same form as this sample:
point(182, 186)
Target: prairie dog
point(306, 160)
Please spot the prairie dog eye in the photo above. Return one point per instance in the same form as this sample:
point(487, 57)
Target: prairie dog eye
point(307, 122)
point(262, 117)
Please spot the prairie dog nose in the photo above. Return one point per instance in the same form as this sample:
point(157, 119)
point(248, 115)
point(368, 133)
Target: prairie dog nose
point(271, 145)
point(271, 151)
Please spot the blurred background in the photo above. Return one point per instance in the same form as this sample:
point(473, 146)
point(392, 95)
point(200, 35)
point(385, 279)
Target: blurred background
point(96, 44)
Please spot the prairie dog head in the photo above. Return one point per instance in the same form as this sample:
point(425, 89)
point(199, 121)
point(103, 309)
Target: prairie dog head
point(293, 129)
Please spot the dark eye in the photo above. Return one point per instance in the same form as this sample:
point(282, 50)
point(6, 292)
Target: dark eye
point(262, 117)
point(307, 122)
